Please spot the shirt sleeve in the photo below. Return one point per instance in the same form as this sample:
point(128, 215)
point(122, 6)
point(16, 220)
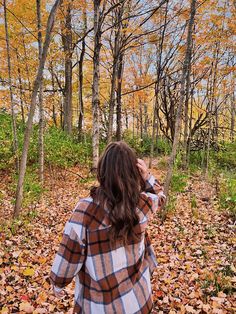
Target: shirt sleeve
point(71, 254)
point(155, 193)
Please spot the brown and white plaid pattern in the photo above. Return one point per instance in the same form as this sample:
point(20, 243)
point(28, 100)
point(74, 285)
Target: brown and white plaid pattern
point(108, 280)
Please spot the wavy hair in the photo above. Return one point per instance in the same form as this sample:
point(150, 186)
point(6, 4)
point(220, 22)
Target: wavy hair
point(119, 190)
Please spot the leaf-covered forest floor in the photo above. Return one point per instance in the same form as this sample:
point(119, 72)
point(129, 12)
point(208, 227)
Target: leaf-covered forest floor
point(194, 248)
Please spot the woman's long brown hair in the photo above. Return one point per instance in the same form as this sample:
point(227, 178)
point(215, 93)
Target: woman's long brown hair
point(119, 191)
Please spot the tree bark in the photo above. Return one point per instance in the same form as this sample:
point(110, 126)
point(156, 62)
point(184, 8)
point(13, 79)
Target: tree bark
point(232, 120)
point(186, 117)
point(119, 104)
point(67, 46)
point(186, 65)
point(145, 125)
point(21, 88)
point(54, 116)
point(190, 128)
point(112, 101)
point(157, 86)
point(116, 57)
point(29, 124)
point(96, 79)
point(13, 115)
point(40, 95)
point(212, 108)
point(81, 60)
point(26, 61)
point(154, 129)
point(141, 118)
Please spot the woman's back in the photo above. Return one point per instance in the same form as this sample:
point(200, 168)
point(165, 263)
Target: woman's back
point(112, 275)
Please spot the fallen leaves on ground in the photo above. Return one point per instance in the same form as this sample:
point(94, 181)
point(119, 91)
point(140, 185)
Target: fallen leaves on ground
point(194, 248)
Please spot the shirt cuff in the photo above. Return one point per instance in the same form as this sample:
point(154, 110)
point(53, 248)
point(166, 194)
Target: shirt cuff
point(151, 180)
point(161, 194)
point(57, 289)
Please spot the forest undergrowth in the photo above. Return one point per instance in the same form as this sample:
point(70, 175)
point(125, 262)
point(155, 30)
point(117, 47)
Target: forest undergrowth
point(194, 247)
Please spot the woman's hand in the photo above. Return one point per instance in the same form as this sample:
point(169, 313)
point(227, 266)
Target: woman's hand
point(143, 169)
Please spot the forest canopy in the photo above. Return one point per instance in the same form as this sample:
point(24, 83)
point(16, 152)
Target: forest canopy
point(112, 70)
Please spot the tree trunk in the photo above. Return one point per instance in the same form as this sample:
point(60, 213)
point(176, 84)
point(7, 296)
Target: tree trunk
point(126, 120)
point(41, 111)
point(154, 129)
point(141, 118)
point(212, 107)
point(208, 144)
point(61, 113)
point(119, 105)
point(186, 118)
point(232, 121)
point(186, 65)
point(116, 53)
point(157, 86)
point(54, 116)
point(21, 89)
point(29, 124)
point(112, 102)
point(190, 128)
point(214, 101)
point(81, 60)
point(26, 62)
point(67, 46)
point(96, 79)
point(145, 114)
point(13, 116)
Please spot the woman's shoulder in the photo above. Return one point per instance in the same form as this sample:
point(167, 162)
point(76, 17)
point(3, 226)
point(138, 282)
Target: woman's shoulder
point(85, 206)
point(88, 211)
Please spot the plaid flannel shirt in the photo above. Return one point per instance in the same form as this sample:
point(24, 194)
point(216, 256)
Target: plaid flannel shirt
point(107, 280)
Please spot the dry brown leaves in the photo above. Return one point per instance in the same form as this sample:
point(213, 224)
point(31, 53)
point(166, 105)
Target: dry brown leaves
point(193, 246)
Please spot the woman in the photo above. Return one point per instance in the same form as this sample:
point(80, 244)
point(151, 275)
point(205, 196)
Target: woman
point(105, 246)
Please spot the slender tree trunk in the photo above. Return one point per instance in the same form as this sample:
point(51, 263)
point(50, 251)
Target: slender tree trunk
point(67, 45)
point(80, 91)
point(112, 93)
point(232, 120)
point(212, 108)
point(112, 102)
point(96, 79)
point(208, 144)
point(119, 104)
point(137, 125)
point(26, 62)
point(61, 113)
point(214, 101)
point(126, 120)
point(186, 65)
point(116, 53)
point(145, 114)
point(154, 128)
point(190, 127)
point(21, 88)
point(29, 124)
point(141, 118)
point(41, 111)
point(54, 116)
point(13, 116)
point(81, 60)
point(186, 118)
point(157, 87)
